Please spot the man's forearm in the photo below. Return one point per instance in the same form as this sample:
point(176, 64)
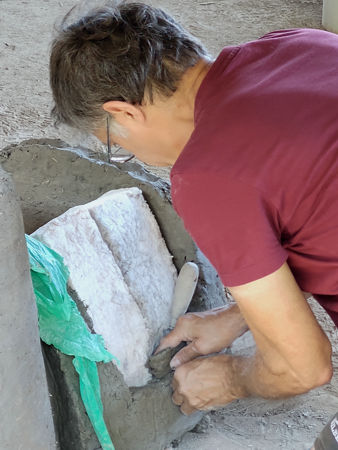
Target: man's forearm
point(293, 353)
point(251, 377)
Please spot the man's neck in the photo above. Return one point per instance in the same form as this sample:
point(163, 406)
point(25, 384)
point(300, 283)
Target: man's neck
point(186, 93)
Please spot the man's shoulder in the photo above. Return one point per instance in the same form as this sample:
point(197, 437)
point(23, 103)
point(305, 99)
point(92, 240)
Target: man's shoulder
point(299, 33)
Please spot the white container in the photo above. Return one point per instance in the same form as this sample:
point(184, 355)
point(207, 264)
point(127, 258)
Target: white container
point(330, 15)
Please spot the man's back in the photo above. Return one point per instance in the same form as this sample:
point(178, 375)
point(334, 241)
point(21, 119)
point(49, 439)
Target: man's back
point(258, 181)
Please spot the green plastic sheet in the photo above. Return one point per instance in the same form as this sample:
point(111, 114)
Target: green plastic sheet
point(91, 397)
point(61, 325)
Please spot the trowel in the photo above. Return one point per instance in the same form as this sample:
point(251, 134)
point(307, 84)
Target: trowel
point(159, 364)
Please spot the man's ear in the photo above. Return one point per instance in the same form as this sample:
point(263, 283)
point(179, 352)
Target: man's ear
point(124, 112)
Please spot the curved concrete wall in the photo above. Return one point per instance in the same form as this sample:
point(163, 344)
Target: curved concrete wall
point(25, 413)
point(51, 178)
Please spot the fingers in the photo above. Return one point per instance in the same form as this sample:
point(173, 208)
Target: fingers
point(178, 399)
point(181, 401)
point(184, 331)
point(186, 354)
point(171, 340)
point(176, 336)
point(187, 409)
point(184, 405)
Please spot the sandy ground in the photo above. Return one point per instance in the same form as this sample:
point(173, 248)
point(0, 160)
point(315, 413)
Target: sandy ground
point(26, 28)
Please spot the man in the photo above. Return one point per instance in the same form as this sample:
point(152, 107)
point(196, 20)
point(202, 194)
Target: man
point(253, 140)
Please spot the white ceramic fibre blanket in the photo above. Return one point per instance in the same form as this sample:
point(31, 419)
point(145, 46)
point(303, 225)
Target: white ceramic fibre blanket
point(134, 238)
point(108, 284)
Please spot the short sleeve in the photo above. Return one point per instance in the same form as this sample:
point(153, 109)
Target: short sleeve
point(233, 225)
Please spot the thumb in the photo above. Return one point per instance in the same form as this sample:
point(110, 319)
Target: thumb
point(183, 356)
point(171, 340)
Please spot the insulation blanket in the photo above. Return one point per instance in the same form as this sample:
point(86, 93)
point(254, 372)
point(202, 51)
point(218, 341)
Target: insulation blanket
point(121, 271)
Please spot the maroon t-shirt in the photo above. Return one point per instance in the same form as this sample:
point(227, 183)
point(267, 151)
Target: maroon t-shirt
point(257, 183)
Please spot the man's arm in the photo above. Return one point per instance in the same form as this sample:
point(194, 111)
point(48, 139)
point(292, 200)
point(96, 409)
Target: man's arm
point(293, 353)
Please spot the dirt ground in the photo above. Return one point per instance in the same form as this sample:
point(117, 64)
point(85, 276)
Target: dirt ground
point(26, 28)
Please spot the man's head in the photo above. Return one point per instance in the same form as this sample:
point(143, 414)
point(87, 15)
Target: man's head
point(114, 61)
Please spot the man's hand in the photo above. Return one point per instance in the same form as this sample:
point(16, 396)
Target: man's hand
point(205, 383)
point(206, 332)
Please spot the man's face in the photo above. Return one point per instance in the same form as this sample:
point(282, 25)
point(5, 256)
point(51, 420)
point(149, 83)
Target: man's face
point(145, 132)
point(145, 144)
point(152, 132)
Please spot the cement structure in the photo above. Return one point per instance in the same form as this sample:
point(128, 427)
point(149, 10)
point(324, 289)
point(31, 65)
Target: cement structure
point(50, 178)
point(25, 415)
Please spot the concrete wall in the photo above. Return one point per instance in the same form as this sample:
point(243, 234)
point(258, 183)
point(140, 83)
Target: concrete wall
point(25, 412)
point(50, 179)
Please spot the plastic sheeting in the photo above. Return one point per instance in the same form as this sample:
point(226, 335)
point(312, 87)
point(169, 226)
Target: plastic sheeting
point(61, 325)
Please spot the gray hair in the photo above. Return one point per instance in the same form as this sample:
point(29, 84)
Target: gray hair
point(125, 52)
